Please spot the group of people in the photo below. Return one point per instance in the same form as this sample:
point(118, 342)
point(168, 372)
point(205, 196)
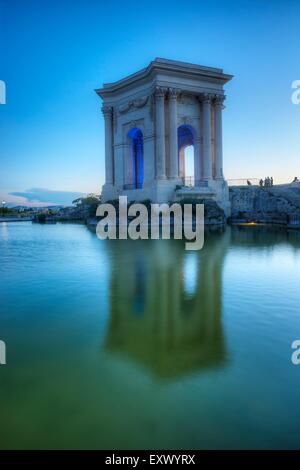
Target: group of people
point(266, 183)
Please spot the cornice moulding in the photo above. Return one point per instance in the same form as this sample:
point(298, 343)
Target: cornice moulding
point(165, 67)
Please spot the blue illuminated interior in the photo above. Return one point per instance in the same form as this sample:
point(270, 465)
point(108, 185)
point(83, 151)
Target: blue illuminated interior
point(185, 136)
point(136, 136)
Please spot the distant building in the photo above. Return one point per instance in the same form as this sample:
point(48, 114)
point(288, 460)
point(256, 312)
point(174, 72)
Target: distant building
point(151, 117)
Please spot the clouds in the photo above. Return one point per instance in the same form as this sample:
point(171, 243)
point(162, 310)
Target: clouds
point(43, 196)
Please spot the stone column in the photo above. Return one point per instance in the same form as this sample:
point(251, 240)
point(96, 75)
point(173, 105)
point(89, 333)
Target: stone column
point(218, 136)
point(173, 137)
point(207, 149)
point(119, 156)
point(160, 133)
point(149, 161)
point(108, 113)
point(181, 163)
point(197, 161)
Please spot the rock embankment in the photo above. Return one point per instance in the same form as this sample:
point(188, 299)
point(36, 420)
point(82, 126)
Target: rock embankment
point(276, 205)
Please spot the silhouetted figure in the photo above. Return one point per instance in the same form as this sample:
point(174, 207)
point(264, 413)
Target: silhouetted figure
point(271, 181)
point(249, 183)
point(268, 182)
point(295, 180)
point(261, 183)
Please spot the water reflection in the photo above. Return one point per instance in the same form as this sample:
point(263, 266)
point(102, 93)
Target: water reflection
point(4, 231)
point(190, 272)
point(166, 305)
point(124, 344)
point(260, 236)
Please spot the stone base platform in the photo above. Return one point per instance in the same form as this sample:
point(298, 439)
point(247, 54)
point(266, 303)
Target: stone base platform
point(166, 191)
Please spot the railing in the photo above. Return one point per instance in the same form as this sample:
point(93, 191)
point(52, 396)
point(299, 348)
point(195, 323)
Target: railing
point(190, 182)
point(263, 182)
point(243, 182)
point(133, 186)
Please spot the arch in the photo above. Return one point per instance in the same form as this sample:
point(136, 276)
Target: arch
point(136, 139)
point(186, 159)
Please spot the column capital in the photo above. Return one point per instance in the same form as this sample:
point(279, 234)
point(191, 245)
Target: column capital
point(160, 92)
point(107, 111)
point(219, 100)
point(206, 98)
point(174, 93)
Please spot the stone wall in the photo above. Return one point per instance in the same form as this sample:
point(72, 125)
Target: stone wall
point(278, 205)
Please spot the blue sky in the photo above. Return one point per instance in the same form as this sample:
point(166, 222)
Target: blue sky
point(55, 53)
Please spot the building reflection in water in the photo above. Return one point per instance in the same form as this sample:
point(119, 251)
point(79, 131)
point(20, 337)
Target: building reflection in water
point(166, 304)
point(190, 273)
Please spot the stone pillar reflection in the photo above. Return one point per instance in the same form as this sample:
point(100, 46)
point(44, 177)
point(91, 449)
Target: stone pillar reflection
point(207, 148)
point(108, 120)
point(218, 136)
point(160, 133)
point(173, 137)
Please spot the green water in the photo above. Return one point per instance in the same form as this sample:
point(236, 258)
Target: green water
point(141, 344)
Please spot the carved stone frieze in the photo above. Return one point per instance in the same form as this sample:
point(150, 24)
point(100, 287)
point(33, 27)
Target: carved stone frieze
point(133, 104)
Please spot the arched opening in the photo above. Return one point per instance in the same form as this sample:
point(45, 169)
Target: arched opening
point(186, 154)
point(137, 158)
point(189, 161)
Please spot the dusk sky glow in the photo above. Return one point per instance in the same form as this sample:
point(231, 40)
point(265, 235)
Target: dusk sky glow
point(55, 54)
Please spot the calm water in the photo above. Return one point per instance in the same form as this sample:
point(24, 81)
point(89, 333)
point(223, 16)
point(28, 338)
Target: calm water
point(141, 344)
